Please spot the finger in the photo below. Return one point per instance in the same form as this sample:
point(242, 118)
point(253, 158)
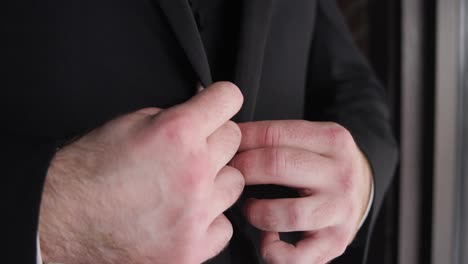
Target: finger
point(293, 214)
point(318, 248)
point(208, 110)
point(320, 137)
point(219, 233)
point(151, 111)
point(285, 166)
point(228, 186)
point(271, 241)
point(224, 143)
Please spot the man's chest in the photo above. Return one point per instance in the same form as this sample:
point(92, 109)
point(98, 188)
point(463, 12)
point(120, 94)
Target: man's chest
point(76, 64)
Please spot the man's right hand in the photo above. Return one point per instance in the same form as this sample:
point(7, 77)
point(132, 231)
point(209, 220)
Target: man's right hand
point(147, 187)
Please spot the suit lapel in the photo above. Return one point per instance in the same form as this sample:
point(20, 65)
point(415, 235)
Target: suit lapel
point(180, 17)
point(255, 23)
point(254, 29)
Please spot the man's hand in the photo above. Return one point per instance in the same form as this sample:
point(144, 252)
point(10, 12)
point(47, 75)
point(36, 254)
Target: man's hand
point(148, 187)
point(322, 162)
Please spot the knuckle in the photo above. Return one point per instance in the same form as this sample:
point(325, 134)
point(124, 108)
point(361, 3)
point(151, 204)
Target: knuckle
point(199, 216)
point(272, 135)
point(240, 183)
point(225, 230)
point(271, 256)
point(347, 178)
point(338, 136)
point(296, 216)
point(323, 213)
point(275, 162)
point(235, 189)
point(235, 128)
point(223, 237)
point(228, 232)
point(267, 254)
point(194, 173)
point(235, 134)
point(269, 219)
point(191, 186)
point(175, 127)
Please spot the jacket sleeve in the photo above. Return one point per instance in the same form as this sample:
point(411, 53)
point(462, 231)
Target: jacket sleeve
point(24, 167)
point(343, 88)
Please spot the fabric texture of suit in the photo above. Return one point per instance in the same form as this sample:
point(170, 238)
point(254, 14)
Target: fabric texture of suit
point(70, 66)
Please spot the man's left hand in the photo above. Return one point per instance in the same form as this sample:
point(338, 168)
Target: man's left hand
point(332, 176)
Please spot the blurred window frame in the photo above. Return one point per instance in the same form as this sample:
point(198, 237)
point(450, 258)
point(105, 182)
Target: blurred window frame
point(450, 203)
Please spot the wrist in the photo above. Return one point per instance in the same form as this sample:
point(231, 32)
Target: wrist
point(70, 225)
point(58, 215)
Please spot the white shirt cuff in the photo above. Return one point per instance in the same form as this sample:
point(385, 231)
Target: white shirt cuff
point(369, 205)
point(38, 251)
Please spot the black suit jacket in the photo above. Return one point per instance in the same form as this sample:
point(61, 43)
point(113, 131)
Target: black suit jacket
point(70, 66)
